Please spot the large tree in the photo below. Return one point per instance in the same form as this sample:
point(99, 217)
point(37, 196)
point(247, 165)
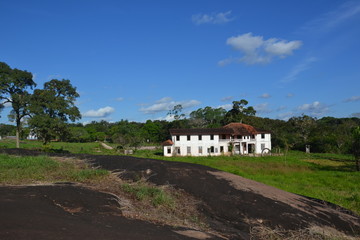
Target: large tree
point(239, 111)
point(13, 89)
point(207, 117)
point(51, 108)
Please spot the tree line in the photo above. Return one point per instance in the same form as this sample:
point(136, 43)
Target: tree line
point(50, 113)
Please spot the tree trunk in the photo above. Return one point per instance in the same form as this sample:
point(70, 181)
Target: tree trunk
point(357, 162)
point(18, 129)
point(17, 138)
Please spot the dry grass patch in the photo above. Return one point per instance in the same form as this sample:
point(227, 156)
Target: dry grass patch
point(262, 232)
point(158, 204)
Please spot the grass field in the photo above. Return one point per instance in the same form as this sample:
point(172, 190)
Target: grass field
point(330, 177)
point(42, 169)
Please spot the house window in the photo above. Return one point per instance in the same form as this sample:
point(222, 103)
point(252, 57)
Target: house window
point(238, 136)
point(178, 150)
point(253, 136)
point(262, 146)
point(200, 137)
point(216, 150)
point(188, 137)
point(188, 150)
point(212, 149)
point(169, 150)
point(211, 137)
point(177, 138)
point(223, 136)
point(221, 148)
point(263, 136)
point(200, 149)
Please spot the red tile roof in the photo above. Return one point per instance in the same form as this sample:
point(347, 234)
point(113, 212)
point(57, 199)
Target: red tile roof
point(231, 128)
point(167, 143)
point(241, 129)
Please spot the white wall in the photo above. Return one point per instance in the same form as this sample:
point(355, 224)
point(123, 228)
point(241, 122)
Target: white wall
point(194, 143)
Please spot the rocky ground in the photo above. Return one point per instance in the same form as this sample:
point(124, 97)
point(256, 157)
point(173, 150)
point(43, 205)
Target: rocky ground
point(233, 207)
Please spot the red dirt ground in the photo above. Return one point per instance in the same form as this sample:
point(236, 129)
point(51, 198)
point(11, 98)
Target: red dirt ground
point(232, 204)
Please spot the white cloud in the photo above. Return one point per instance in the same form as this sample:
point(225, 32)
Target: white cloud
point(281, 108)
point(357, 115)
point(352, 99)
point(331, 20)
point(285, 116)
point(54, 76)
point(301, 67)
point(226, 106)
point(228, 98)
point(99, 113)
point(256, 50)
point(315, 109)
point(262, 108)
point(265, 95)
point(213, 18)
point(289, 95)
point(166, 104)
point(119, 99)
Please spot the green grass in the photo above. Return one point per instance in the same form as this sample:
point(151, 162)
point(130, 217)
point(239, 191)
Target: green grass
point(83, 148)
point(155, 195)
point(42, 169)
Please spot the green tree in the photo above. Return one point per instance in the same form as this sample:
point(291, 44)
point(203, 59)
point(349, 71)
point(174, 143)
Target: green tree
point(51, 108)
point(207, 117)
point(13, 89)
point(239, 111)
point(356, 147)
point(7, 130)
point(176, 112)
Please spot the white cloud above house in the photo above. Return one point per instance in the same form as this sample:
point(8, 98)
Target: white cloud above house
point(166, 104)
point(226, 106)
point(257, 50)
point(285, 116)
point(213, 18)
point(315, 109)
point(99, 113)
point(262, 108)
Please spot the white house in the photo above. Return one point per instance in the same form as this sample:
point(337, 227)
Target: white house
point(234, 138)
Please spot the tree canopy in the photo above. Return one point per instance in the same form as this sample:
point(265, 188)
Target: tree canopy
point(51, 108)
point(13, 89)
point(239, 111)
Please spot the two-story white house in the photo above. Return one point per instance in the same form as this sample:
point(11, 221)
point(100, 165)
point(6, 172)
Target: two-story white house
point(234, 138)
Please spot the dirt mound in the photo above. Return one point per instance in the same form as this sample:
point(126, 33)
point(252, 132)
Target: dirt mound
point(232, 204)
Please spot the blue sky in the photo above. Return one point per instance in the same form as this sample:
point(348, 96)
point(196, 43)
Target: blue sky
point(136, 59)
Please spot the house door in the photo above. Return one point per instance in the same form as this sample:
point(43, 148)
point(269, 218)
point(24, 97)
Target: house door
point(251, 148)
point(237, 148)
point(244, 148)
